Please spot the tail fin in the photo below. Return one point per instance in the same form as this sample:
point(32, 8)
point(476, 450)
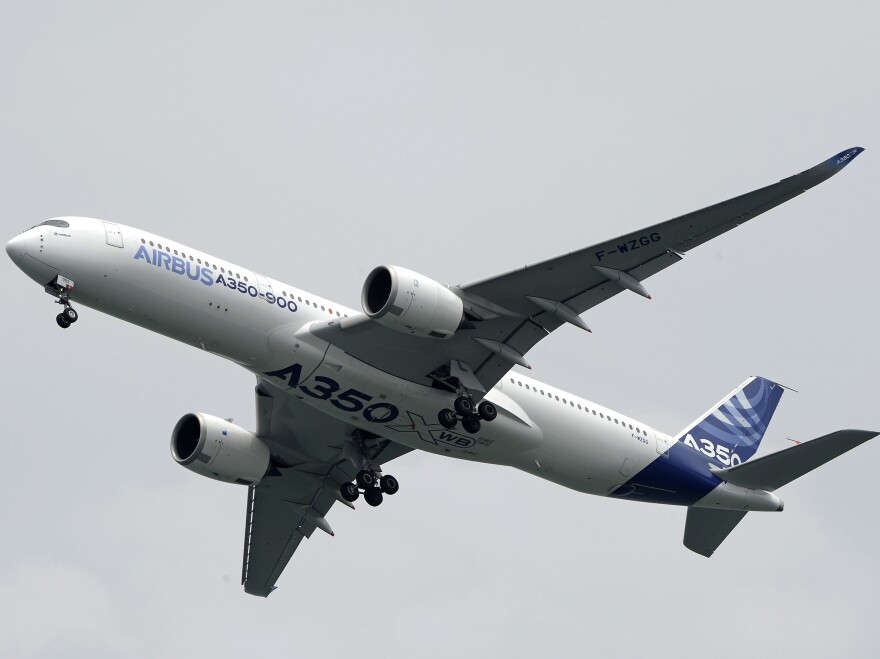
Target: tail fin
point(706, 528)
point(731, 431)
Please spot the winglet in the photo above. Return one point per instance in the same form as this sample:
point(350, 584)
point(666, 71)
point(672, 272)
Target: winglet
point(843, 158)
point(826, 169)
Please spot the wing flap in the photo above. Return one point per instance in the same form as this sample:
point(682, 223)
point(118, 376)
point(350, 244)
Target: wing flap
point(274, 530)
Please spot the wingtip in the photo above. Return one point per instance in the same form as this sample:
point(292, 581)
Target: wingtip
point(843, 158)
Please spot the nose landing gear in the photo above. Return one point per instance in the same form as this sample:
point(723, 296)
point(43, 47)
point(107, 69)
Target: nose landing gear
point(67, 317)
point(61, 288)
point(465, 411)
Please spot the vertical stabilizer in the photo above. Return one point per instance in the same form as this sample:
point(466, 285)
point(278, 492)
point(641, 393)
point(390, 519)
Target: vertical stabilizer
point(731, 431)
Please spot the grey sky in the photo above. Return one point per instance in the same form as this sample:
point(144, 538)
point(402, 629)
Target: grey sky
point(313, 141)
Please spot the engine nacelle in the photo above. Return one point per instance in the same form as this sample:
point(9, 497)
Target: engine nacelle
point(218, 449)
point(411, 303)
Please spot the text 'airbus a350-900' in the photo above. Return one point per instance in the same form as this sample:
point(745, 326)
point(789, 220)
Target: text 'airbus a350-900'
point(341, 393)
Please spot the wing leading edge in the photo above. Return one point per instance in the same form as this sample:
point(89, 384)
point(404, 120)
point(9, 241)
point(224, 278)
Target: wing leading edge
point(513, 311)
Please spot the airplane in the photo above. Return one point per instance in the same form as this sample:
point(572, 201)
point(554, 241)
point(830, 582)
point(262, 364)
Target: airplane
point(341, 393)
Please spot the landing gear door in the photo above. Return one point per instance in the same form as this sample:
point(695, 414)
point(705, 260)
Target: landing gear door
point(662, 444)
point(114, 235)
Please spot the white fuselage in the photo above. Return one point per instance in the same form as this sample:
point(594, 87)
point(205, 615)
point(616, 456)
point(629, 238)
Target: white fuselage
point(262, 324)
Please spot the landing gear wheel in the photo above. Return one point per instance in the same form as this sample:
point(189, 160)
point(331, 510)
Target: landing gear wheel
point(447, 418)
point(70, 314)
point(389, 484)
point(373, 496)
point(471, 424)
point(349, 492)
point(487, 411)
point(366, 480)
point(62, 321)
point(463, 405)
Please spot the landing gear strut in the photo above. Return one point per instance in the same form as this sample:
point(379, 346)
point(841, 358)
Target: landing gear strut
point(470, 415)
point(369, 481)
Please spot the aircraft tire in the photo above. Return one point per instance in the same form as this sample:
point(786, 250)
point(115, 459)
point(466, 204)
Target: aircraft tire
point(365, 479)
point(471, 424)
point(463, 405)
point(389, 485)
point(373, 497)
point(349, 492)
point(70, 314)
point(487, 411)
point(62, 321)
point(447, 418)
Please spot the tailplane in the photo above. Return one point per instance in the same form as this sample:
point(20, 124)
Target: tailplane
point(730, 432)
point(707, 528)
point(771, 472)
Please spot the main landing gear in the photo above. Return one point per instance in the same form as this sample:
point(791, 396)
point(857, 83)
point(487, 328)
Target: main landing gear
point(469, 414)
point(369, 481)
point(372, 487)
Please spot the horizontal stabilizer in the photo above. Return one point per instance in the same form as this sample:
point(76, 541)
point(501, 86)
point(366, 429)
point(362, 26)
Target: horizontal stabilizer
point(771, 472)
point(707, 528)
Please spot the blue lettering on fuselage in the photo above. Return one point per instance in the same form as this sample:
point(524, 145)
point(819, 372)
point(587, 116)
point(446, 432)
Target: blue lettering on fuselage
point(176, 265)
point(196, 272)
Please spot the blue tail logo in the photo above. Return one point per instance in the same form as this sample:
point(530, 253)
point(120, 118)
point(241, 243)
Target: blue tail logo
point(730, 432)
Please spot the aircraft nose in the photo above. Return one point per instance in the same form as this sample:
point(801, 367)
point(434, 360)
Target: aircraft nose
point(17, 248)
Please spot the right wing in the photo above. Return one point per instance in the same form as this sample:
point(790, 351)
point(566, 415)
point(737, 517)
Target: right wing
point(290, 503)
point(512, 312)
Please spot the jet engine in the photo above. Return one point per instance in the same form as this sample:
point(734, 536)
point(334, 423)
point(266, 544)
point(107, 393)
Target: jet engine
point(219, 449)
point(411, 303)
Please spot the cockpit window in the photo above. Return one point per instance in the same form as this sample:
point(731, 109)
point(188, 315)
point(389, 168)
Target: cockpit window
point(55, 223)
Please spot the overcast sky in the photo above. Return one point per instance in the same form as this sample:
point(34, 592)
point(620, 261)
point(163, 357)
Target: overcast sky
point(314, 141)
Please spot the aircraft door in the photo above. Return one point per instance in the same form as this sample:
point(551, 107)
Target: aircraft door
point(264, 284)
point(114, 235)
point(662, 444)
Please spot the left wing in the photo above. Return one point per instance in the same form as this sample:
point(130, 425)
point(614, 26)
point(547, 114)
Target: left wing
point(289, 504)
point(510, 313)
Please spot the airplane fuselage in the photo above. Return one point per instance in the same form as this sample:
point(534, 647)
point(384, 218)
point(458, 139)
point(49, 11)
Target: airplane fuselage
point(263, 325)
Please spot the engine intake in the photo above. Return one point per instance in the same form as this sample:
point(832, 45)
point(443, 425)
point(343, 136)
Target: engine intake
point(219, 449)
point(411, 303)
